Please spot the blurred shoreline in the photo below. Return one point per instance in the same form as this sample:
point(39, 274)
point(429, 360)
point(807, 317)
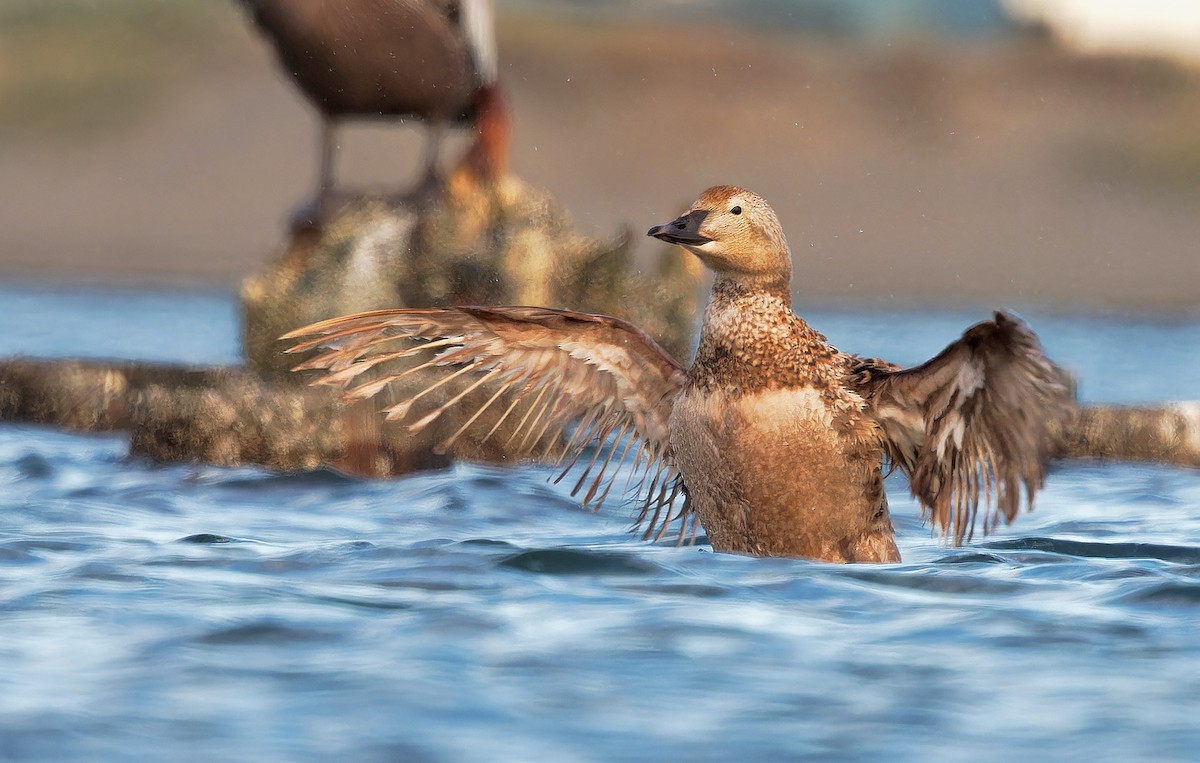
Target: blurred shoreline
point(945, 174)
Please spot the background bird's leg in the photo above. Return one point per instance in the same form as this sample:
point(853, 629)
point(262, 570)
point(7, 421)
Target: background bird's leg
point(313, 212)
point(433, 145)
point(328, 153)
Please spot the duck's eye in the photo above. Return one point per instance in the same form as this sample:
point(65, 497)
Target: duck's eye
point(736, 210)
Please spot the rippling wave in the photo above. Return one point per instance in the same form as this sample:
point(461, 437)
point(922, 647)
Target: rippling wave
point(183, 612)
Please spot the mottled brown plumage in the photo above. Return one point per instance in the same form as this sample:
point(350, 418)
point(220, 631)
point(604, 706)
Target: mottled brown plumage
point(774, 439)
point(760, 344)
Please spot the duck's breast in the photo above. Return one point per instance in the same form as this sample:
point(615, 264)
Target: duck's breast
point(775, 471)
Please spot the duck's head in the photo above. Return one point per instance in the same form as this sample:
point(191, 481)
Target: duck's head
point(734, 232)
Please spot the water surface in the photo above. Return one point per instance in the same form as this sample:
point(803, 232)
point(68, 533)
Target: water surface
point(173, 612)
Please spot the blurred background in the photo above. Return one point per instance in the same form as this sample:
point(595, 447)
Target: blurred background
point(929, 159)
point(919, 152)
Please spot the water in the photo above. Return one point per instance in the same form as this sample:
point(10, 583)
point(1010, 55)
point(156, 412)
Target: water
point(170, 612)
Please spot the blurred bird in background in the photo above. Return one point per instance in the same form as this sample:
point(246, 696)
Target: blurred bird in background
point(774, 438)
point(379, 59)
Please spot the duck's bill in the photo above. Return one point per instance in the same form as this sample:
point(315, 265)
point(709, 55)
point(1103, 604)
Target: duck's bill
point(683, 230)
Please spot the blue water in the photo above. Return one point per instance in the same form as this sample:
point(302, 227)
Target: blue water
point(171, 612)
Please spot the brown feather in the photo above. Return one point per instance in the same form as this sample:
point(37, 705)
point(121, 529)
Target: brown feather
point(599, 373)
point(970, 425)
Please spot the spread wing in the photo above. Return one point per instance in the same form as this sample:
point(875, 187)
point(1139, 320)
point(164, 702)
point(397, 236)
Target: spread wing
point(971, 424)
point(573, 378)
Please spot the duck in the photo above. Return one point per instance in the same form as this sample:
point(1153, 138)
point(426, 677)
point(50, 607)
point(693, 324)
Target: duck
point(772, 441)
point(434, 60)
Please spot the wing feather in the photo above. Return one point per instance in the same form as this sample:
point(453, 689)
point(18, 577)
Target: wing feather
point(970, 426)
point(573, 377)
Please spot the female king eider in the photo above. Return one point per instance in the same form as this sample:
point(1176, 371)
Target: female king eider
point(773, 439)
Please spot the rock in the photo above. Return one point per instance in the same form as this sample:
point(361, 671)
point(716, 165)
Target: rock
point(500, 243)
point(1167, 433)
point(82, 395)
point(470, 243)
point(503, 243)
point(223, 416)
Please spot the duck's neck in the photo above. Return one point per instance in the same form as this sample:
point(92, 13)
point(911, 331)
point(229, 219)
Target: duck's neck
point(726, 286)
point(751, 340)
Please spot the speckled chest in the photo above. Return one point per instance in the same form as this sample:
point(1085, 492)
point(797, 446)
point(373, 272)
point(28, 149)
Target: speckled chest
point(764, 387)
point(752, 341)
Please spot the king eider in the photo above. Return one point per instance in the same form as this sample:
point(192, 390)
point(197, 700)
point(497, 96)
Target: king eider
point(773, 440)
